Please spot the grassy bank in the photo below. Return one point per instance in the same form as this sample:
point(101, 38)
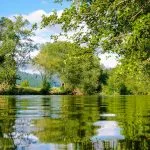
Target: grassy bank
point(32, 91)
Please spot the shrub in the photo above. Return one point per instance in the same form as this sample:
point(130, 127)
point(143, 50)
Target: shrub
point(45, 87)
point(25, 83)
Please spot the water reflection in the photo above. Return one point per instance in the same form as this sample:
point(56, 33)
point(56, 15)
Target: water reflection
point(74, 122)
point(109, 132)
point(7, 121)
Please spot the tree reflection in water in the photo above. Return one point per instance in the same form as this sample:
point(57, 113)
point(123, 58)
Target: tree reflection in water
point(74, 122)
point(107, 135)
point(7, 121)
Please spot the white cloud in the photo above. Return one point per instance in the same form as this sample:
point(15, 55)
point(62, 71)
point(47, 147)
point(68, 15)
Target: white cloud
point(109, 60)
point(42, 35)
point(36, 16)
point(29, 68)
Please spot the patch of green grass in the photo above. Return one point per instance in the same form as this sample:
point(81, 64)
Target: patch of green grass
point(18, 90)
point(27, 90)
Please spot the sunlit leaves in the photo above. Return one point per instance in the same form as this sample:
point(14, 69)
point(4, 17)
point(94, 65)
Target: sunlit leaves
point(15, 46)
point(77, 67)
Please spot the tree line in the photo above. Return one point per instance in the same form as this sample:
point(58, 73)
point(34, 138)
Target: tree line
point(112, 26)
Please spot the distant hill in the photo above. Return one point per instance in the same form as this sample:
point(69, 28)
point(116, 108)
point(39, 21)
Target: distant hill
point(35, 80)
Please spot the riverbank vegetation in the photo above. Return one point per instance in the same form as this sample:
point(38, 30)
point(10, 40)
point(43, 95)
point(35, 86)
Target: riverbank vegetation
point(15, 46)
point(77, 67)
point(119, 27)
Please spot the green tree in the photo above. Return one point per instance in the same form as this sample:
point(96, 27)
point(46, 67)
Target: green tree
point(122, 81)
point(25, 83)
point(45, 86)
point(116, 26)
point(78, 67)
point(15, 45)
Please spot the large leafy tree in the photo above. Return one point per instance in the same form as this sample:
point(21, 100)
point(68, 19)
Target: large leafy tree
point(110, 23)
point(121, 81)
point(15, 46)
point(78, 67)
point(118, 26)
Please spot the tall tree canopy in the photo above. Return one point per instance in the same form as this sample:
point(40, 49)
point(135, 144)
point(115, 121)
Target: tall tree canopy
point(118, 26)
point(110, 23)
point(78, 67)
point(15, 46)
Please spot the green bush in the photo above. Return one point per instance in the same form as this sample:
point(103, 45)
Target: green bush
point(45, 87)
point(25, 83)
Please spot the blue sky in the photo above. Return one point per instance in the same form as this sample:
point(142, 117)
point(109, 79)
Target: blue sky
point(10, 7)
point(33, 10)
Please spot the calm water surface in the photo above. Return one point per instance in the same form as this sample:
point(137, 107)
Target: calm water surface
point(74, 123)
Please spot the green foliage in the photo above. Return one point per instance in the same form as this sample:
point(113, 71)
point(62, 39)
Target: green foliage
point(78, 67)
point(26, 91)
point(123, 81)
point(25, 83)
point(45, 87)
point(4, 87)
point(103, 78)
point(114, 26)
point(15, 45)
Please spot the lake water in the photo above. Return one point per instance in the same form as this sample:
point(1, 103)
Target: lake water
point(74, 122)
